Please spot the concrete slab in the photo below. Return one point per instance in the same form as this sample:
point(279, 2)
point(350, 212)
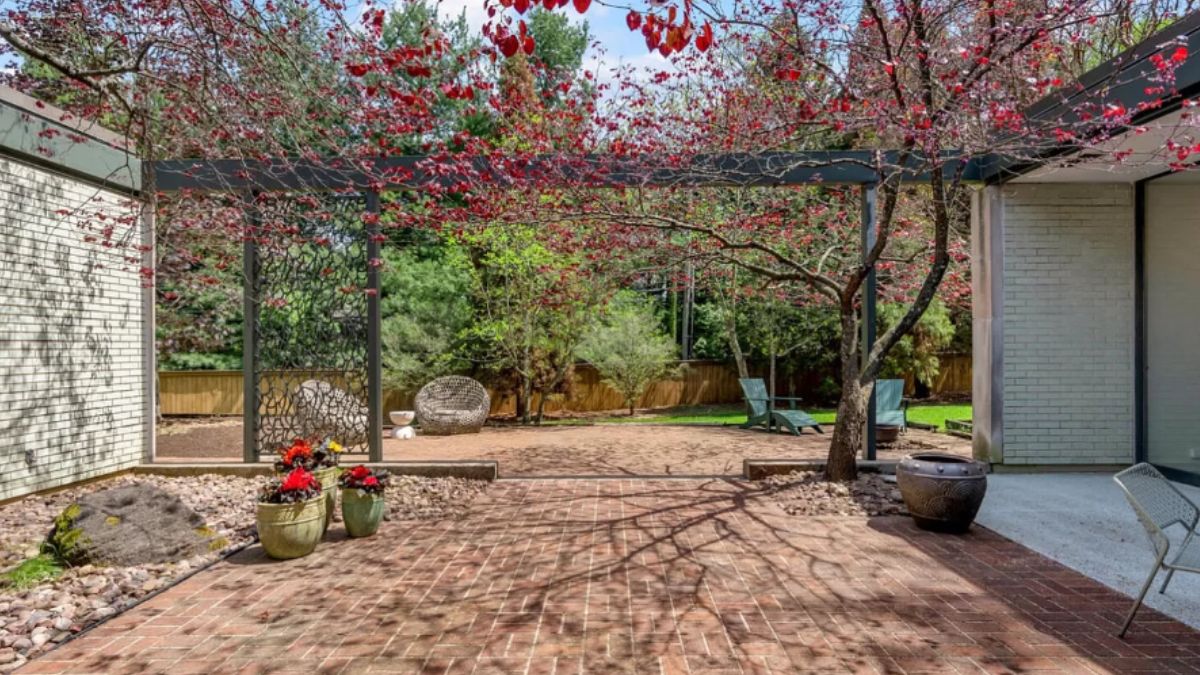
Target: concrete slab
point(1084, 522)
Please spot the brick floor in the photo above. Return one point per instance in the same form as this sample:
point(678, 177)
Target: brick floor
point(603, 450)
point(637, 576)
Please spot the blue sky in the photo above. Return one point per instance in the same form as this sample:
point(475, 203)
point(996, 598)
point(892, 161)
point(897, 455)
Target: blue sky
point(606, 25)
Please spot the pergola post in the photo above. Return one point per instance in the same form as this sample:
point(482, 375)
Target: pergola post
point(250, 401)
point(867, 340)
point(374, 342)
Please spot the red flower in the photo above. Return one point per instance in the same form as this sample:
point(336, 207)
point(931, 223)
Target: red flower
point(370, 481)
point(299, 479)
point(299, 450)
point(359, 472)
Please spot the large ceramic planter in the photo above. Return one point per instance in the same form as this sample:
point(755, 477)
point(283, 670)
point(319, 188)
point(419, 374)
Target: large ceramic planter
point(291, 530)
point(942, 492)
point(328, 478)
point(361, 512)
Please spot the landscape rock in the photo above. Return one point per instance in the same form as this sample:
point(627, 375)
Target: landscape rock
point(128, 525)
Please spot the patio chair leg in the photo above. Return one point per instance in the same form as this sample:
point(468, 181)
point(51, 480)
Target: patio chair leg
point(1170, 573)
point(1138, 603)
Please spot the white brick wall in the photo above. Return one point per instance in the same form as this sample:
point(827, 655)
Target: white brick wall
point(71, 355)
point(1068, 324)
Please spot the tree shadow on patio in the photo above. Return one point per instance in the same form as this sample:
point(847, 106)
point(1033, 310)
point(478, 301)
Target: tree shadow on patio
point(637, 576)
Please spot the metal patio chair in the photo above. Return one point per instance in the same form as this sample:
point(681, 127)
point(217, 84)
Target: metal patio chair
point(1159, 505)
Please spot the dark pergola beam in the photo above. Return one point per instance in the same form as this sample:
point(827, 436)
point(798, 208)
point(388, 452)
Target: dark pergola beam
point(374, 336)
point(845, 167)
point(869, 292)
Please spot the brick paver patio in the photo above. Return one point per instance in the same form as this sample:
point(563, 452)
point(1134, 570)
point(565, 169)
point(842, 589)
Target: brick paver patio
point(601, 450)
point(637, 576)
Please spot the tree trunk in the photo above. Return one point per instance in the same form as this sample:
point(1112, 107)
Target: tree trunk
point(771, 376)
point(525, 399)
point(541, 408)
point(848, 431)
point(521, 405)
point(735, 345)
point(527, 396)
point(851, 418)
point(687, 328)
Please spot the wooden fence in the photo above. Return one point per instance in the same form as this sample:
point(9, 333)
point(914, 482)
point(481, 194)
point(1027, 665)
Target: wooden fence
point(219, 392)
point(954, 376)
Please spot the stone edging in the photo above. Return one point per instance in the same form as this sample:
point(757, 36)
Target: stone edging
point(758, 469)
point(479, 470)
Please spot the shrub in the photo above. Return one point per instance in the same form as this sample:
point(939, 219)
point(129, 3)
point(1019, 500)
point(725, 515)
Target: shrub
point(628, 348)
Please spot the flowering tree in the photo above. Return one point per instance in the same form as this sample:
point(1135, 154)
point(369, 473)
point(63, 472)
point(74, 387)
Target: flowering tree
point(917, 87)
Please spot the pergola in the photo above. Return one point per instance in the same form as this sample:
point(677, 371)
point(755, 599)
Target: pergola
point(361, 178)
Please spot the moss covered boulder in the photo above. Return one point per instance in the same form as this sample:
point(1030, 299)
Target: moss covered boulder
point(136, 524)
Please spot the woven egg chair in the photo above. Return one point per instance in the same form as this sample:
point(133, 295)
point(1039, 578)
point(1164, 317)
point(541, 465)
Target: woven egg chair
point(452, 405)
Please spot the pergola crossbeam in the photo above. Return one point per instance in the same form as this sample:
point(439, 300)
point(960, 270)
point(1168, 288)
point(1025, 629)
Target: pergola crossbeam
point(776, 169)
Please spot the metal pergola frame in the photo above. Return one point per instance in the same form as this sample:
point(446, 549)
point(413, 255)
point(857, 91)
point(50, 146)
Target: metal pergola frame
point(780, 169)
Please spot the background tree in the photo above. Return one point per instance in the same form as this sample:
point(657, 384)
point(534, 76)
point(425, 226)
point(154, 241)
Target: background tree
point(774, 328)
point(917, 353)
point(531, 305)
point(427, 308)
point(628, 348)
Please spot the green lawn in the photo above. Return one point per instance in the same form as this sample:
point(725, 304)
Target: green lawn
point(935, 413)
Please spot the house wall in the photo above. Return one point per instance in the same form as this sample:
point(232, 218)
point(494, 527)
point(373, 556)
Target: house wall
point(1068, 326)
point(73, 357)
point(1172, 239)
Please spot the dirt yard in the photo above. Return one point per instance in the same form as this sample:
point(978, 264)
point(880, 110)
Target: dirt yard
point(602, 449)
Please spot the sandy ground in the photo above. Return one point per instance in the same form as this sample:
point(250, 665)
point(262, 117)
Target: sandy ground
point(602, 449)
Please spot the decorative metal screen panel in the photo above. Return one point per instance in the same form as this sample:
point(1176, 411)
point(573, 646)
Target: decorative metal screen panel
point(310, 346)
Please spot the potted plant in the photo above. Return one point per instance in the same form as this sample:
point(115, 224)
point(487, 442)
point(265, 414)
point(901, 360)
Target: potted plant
point(362, 499)
point(321, 460)
point(291, 515)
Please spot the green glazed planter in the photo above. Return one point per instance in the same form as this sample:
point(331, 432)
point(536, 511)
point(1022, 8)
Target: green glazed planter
point(362, 513)
point(291, 530)
point(328, 478)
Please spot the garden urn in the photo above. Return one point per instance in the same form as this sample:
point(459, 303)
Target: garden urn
point(887, 433)
point(362, 512)
point(291, 530)
point(942, 492)
point(328, 478)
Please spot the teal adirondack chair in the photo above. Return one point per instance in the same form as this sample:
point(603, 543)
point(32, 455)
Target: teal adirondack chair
point(761, 409)
point(890, 405)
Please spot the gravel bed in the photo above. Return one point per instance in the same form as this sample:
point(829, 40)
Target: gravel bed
point(34, 620)
point(417, 498)
point(807, 493)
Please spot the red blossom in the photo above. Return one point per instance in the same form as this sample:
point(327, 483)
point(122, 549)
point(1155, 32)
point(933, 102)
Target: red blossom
point(299, 479)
